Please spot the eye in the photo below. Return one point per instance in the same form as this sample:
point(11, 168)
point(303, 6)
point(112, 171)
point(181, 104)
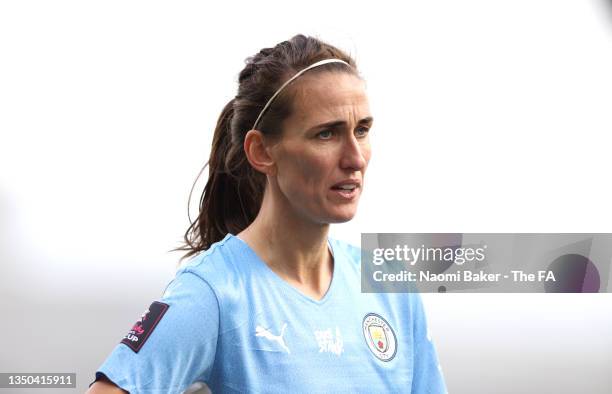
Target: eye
point(325, 134)
point(362, 131)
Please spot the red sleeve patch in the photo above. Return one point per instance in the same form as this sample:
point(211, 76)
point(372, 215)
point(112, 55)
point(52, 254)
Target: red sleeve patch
point(143, 328)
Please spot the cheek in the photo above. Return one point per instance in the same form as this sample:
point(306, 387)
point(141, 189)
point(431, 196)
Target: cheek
point(366, 153)
point(305, 172)
point(313, 171)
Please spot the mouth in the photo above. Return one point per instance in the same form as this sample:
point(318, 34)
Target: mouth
point(346, 190)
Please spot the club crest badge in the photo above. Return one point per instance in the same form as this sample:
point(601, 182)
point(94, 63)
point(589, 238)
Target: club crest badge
point(379, 337)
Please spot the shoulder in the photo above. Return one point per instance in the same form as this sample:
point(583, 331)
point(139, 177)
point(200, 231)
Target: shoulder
point(225, 268)
point(223, 261)
point(347, 253)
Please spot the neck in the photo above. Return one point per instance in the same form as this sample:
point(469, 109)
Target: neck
point(292, 246)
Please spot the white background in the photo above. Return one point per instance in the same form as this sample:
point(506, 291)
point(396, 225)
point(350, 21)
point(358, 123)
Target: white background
point(490, 117)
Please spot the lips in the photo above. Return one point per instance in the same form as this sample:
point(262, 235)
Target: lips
point(346, 190)
point(347, 184)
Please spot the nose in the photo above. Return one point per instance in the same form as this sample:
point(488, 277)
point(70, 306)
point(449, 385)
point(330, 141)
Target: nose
point(355, 153)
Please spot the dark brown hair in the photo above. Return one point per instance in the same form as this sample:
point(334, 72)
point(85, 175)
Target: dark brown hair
point(233, 193)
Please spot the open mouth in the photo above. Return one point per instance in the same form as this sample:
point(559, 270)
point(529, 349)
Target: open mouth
point(347, 191)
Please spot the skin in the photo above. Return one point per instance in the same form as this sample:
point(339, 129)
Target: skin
point(291, 229)
point(104, 387)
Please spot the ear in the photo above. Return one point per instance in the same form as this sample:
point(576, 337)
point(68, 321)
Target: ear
point(257, 153)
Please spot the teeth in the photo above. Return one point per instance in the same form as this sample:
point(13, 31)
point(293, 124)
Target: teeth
point(347, 187)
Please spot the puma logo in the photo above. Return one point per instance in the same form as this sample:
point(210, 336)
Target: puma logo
point(264, 332)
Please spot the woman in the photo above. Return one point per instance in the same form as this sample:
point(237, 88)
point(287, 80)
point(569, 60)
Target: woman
point(267, 302)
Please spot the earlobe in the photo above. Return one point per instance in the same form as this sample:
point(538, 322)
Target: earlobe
point(257, 153)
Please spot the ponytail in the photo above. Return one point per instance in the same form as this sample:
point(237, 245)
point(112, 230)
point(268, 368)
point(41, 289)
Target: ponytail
point(233, 192)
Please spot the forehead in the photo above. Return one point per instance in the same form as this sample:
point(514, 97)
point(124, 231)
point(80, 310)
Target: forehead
point(327, 96)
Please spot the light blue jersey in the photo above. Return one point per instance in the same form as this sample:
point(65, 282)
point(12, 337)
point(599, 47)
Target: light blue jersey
point(228, 320)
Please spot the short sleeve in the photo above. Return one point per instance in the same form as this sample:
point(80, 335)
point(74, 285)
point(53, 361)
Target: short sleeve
point(173, 344)
point(427, 378)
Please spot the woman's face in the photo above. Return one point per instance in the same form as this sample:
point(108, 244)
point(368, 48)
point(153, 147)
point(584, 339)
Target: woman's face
point(323, 154)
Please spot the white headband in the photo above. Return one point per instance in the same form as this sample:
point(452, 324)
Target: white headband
point(319, 63)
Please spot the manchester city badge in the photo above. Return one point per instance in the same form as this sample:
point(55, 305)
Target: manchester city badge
point(379, 337)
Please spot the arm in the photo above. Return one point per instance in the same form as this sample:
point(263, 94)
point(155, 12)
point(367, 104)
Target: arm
point(428, 378)
point(105, 386)
point(171, 346)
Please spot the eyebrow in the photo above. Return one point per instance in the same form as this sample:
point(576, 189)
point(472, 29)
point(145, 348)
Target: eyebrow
point(338, 123)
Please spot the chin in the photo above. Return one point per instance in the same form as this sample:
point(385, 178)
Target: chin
point(333, 213)
point(342, 217)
